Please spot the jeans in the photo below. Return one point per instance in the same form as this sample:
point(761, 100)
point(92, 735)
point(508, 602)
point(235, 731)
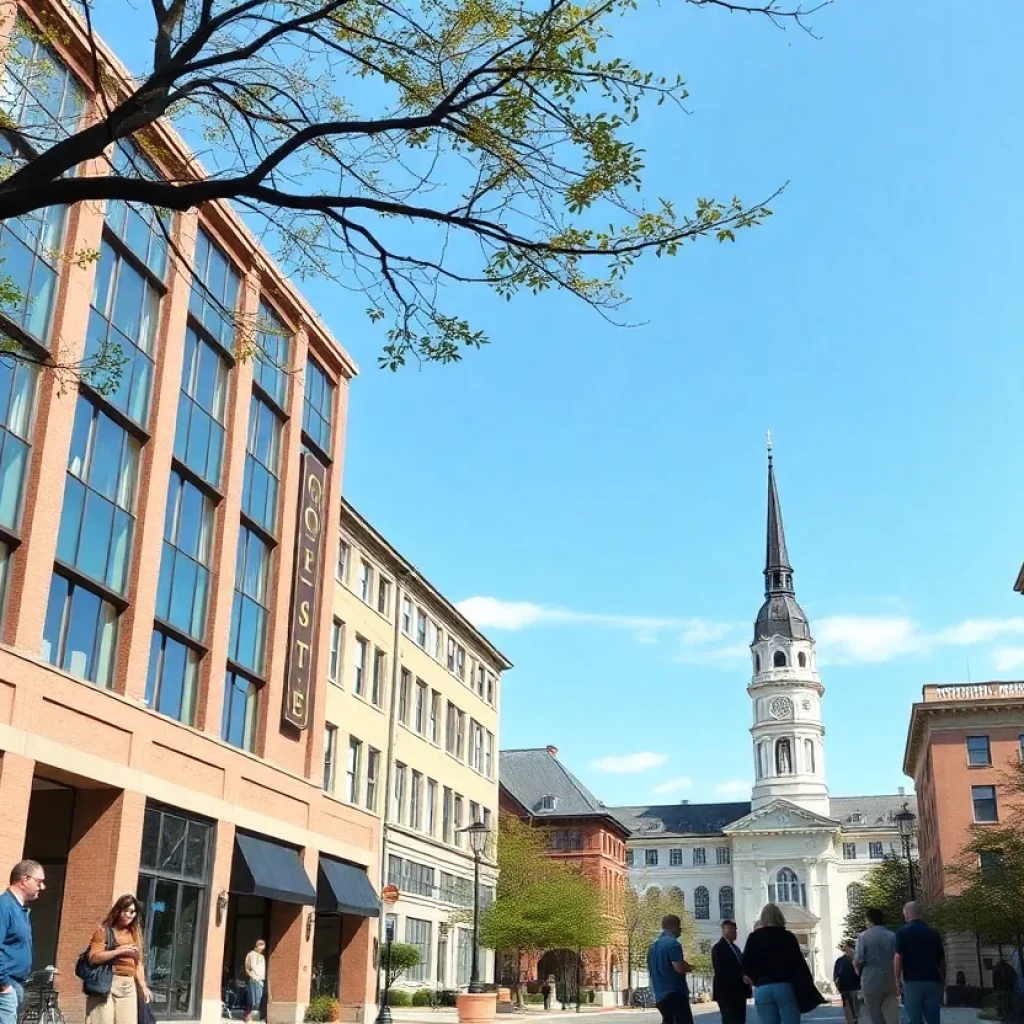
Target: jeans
point(922, 1000)
point(253, 996)
point(776, 1004)
point(10, 1003)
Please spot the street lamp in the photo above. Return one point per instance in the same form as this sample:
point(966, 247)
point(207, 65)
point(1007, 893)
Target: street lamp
point(478, 833)
point(906, 823)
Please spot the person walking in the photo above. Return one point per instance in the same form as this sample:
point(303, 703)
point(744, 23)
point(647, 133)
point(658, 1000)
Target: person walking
point(873, 958)
point(118, 942)
point(920, 967)
point(255, 979)
point(667, 971)
point(729, 988)
point(847, 981)
point(548, 989)
point(27, 881)
point(772, 961)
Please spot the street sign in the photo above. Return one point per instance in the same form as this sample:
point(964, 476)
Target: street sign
point(389, 894)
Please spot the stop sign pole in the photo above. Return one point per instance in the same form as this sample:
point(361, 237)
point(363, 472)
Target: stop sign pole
point(389, 896)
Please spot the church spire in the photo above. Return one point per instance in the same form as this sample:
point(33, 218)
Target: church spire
point(778, 573)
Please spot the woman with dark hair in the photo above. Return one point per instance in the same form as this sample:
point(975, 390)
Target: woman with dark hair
point(118, 942)
point(772, 961)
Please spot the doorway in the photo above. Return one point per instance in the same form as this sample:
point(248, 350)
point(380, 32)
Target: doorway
point(48, 840)
point(326, 979)
point(248, 920)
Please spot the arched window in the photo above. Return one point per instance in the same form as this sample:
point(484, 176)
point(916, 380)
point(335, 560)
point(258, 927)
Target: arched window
point(809, 755)
point(701, 904)
point(725, 902)
point(788, 888)
point(801, 660)
point(779, 659)
point(757, 662)
point(677, 895)
point(783, 757)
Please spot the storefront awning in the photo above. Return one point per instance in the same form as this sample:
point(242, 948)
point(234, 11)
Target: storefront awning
point(264, 868)
point(345, 889)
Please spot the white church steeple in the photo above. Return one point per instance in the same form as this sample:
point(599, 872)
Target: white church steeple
point(785, 691)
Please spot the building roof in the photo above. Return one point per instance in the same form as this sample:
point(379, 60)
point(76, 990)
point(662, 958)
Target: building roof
point(544, 787)
point(873, 811)
point(661, 821)
point(780, 615)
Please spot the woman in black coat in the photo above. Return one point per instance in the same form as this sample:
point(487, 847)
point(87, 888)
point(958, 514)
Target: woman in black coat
point(783, 986)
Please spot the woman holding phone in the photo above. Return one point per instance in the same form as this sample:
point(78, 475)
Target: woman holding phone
point(118, 942)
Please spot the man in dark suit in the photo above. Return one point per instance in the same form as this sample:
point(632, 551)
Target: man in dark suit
point(729, 989)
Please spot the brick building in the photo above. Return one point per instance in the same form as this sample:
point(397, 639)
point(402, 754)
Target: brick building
point(536, 787)
point(164, 630)
point(960, 743)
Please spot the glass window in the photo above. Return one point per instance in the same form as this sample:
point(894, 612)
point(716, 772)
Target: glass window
point(80, 633)
point(330, 757)
point(788, 887)
point(416, 801)
point(184, 586)
point(446, 815)
point(334, 661)
point(651, 858)
point(318, 406)
point(122, 328)
point(398, 797)
point(701, 904)
point(404, 686)
point(379, 671)
point(241, 711)
point(465, 956)
point(365, 581)
point(699, 855)
point(359, 668)
point(629, 858)
point(383, 596)
point(199, 430)
point(173, 888)
point(984, 800)
point(262, 465)
point(372, 774)
point(271, 365)
point(849, 851)
point(675, 858)
point(875, 851)
point(355, 755)
point(248, 641)
point(978, 751)
point(723, 855)
point(725, 903)
point(172, 679)
point(460, 836)
point(341, 570)
point(97, 521)
point(214, 297)
point(417, 933)
point(489, 755)
point(140, 227)
point(406, 616)
point(434, 731)
point(17, 394)
point(430, 820)
point(421, 627)
point(420, 717)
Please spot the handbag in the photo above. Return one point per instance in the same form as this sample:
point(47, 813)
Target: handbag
point(96, 978)
point(145, 1012)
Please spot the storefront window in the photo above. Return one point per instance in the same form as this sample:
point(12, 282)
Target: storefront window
point(174, 879)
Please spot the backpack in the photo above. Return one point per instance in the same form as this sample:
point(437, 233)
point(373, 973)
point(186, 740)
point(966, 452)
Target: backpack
point(96, 978)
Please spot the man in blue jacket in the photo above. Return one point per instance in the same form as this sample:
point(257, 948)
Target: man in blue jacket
point(27, 881)
point(667, 971)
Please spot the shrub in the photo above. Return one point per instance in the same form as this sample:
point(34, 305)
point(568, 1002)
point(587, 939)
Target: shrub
point(323, 1010)
point(533, 998)
point(399, 997)
point(422, 997)
point(448, 997)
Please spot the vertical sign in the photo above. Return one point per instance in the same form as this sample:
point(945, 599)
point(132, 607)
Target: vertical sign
point(305, 590)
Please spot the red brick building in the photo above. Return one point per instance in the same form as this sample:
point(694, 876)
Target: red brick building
point(536, 787)
point(961, 741)
point(161, 712)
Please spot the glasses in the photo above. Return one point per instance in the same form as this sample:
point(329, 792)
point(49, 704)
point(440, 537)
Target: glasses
point(41, 882)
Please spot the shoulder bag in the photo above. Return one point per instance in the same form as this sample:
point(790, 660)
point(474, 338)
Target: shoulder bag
point(96, 978)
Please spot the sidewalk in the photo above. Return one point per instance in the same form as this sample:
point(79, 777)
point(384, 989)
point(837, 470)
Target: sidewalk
point(448, 1015)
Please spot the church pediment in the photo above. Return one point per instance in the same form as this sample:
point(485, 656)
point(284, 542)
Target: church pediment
point(781, 816)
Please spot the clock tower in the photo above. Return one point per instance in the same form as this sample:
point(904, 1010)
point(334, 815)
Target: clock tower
point(785, 691)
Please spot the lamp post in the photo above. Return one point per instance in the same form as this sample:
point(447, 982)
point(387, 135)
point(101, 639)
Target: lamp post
point(384, 1014)
point(906, 822)
point(478, 833)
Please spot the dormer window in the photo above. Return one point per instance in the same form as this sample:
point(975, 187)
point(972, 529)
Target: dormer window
point(855, 818)
point(547, 803)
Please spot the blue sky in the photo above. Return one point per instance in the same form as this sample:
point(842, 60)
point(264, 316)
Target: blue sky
point(604, 489)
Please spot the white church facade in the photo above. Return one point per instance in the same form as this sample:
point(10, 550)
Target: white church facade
point(792, 843)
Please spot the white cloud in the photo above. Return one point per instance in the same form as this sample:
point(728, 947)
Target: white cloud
point(1007, 659)
point(734, 787)
point(493, 613)
point(852, 638)
point(678, 785)
point(629, 764)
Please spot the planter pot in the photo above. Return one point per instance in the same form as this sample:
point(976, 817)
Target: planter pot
point(477, 1007)
point(504, 995)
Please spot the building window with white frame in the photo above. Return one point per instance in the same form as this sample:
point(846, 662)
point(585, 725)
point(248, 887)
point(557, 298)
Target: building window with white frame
point(430, 808)
point(372, 775)
point(379, 671)
point(675, 858)
point(875, 851)
point(365, 581)
point(334, 659)
point(404, 686)
point(416, 801)
point(489, 755)
point(398, 797)
point(723, 855)
point(359, 666)
point(355, 752)
point(984, 800)
point(651, 858)
point(849, 851)
point(344, 555)
point(701, 904)
point(418, 934)
point(420, 712)
point(699, 856)
point(384, 597)
point(330, 756)
point(434, 725)
point(406, 616)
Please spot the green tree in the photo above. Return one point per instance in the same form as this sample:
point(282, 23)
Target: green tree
point(639, 920)
point(403, 957)
point(391, 149)
point(579, 921)
point(886, 887)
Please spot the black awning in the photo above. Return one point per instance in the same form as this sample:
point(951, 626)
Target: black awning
point(264, 868)
point(345, 889)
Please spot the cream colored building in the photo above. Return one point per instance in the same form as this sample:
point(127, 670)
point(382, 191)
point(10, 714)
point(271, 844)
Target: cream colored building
point(412, 728)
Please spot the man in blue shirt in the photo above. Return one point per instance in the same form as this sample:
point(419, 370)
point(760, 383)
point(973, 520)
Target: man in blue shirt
point(667, 971)
point(27, 881)
point(920, 966)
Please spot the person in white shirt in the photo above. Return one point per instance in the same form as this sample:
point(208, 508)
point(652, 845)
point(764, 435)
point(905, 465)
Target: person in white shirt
point(255, 979)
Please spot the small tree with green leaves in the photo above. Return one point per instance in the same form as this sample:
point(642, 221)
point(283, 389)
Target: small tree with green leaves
point(639, 920)
point(578, 921)
point(403, 957)
point(885, 887)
